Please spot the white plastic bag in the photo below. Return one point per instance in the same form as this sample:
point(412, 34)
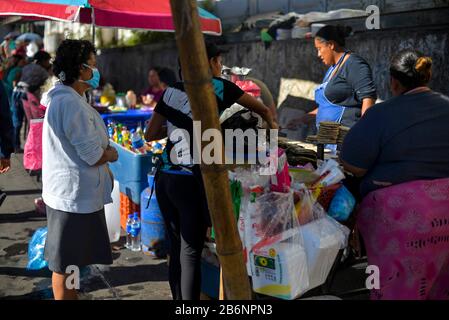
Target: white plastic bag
point(323, 238)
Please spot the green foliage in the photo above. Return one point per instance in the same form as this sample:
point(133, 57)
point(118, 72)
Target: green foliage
point(146, 37)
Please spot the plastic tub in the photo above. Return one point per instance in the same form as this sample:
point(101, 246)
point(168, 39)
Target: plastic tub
point(153, 227)
point(131, 171)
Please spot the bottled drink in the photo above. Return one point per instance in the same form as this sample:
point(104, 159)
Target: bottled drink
point(135, 233)
point(140, 132)
point(119, 138)
point(125, 137)
point(137, 142)
point(128, 231)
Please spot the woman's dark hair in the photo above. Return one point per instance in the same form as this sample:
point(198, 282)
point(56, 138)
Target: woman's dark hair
point(411, 68)
point(157, 69)
point(167, 76)
point(17, 58)
point(334, 33)
point(70, 57)
point(41, 56)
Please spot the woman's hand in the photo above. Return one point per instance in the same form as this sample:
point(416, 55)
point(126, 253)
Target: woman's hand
point(5, 164)
point(304, 119)
point(111, 154)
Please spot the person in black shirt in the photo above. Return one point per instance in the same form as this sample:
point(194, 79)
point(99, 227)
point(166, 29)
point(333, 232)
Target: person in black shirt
point(179, 188)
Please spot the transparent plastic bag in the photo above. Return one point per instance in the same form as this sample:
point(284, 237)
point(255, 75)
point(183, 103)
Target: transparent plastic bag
point(36, 247)
point(308, 209)
point(277, 256)
point(323, 238)
point(272, 214)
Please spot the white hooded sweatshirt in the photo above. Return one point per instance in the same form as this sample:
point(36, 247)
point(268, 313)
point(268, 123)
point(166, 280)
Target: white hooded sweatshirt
point(74, 138)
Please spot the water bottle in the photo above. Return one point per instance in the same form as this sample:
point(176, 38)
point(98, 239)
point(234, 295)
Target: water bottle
point(128, 231)
point(137, 142)
point(135, 233)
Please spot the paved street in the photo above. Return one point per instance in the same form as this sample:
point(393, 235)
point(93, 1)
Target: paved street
point(132, 276)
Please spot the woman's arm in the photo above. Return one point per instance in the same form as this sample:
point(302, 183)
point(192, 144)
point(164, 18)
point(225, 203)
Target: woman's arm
point(109, 155)
point(258, 107)
point(156, 128)
point(367, 103)
point(358, 172)
point(303, 119)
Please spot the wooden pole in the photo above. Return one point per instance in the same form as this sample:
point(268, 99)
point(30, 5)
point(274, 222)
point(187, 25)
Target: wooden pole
point(198, 84)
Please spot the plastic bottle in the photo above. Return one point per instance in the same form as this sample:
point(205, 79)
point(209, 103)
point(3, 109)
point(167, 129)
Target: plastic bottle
point(135, 233)
point(110, 129)
point(137, 142)
point(140, 132)
point(128, 231)
point(125, 137)
point(119, 138)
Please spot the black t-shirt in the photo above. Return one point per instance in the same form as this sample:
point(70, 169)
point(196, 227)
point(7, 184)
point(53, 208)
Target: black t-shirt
point(352, 83)
point(403, 139)
point(175, 107)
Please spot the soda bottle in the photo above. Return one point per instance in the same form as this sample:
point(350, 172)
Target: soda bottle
point(119, 138)
point(128, 231)
point(125, 137)
point(137, 142)
point(135, 233)
point(140, 132)
point(110, 129)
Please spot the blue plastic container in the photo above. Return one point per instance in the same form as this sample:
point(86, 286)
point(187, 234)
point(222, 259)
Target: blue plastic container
point(210, 279)
point(131, 118)
point(153, 233)
point(131, 171)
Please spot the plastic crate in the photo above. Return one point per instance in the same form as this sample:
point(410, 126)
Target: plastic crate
point(127, 207)
point(131, 171)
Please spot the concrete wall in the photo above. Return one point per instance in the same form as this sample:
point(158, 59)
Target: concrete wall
point(126, 68)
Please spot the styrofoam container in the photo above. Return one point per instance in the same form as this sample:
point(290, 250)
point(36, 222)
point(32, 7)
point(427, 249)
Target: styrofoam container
point(283, 34)
point(300, 32)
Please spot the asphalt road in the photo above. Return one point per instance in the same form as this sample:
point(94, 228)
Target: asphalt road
point(132, 275)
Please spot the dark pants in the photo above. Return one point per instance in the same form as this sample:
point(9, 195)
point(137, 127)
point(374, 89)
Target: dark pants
point(18, 114)
point(183, 204)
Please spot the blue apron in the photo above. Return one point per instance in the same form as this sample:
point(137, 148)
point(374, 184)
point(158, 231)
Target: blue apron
point(328, 111)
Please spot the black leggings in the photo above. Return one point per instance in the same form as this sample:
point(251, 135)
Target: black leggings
point(183, 204)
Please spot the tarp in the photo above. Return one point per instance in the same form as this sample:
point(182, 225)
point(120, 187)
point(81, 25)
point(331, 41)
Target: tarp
point(128, 14)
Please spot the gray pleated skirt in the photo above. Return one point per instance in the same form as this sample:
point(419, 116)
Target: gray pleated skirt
point(76, 239)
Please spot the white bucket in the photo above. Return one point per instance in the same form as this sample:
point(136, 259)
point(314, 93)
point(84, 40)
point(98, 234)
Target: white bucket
point(112, 212)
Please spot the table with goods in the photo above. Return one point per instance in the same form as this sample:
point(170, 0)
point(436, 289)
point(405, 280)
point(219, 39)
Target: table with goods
point(289, 222)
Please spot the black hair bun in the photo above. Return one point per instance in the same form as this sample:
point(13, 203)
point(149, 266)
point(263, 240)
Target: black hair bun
point(344, 31)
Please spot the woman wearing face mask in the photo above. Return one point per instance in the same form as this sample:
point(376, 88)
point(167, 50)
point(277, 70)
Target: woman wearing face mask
point(400, 149)
point(348, 89)
point(76, 179)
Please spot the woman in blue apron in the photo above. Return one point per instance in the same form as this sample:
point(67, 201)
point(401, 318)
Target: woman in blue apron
point(348, 89)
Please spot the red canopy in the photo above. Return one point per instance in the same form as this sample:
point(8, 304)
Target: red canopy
point(129, 14)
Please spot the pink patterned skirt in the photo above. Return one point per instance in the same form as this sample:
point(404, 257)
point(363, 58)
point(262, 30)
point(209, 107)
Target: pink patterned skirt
point(405, 229)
